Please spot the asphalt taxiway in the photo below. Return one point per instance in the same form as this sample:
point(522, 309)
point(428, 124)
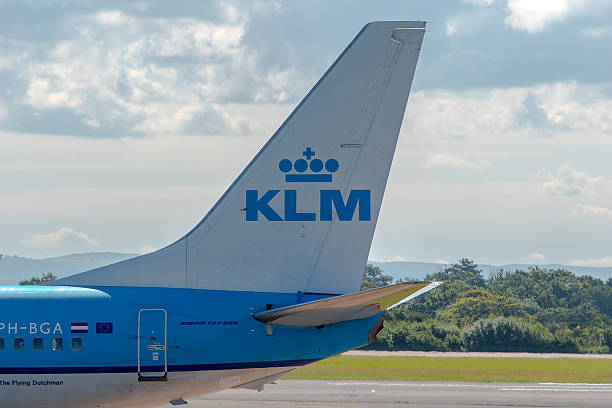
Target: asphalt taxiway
point(391, 394)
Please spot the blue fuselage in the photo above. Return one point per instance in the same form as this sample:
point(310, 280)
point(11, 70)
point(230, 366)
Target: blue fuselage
point(47, 331)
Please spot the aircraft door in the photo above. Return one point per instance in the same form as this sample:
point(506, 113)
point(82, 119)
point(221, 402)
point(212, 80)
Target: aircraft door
point(152, 337)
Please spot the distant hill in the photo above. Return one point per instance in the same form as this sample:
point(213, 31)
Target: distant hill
point(15, 268)
point(418, 270)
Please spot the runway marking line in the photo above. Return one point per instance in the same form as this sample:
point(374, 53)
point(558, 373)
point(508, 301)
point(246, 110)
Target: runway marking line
point(555, 389)
point(541, 387)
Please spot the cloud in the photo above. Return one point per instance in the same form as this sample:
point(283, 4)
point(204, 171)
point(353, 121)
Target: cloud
point(126, 72)
point(63, 237)
point(197, 39)
point(532, 112)
point(564, 112)
point(596, 32)
point(398, 258)
point(113, 17)
point(127, 83)
point(10, 57)
point(593, 211)
point(604, 261)
point(534, 16)
point(450, 29)
point(43, 93)
point(449, 160)
point(536, 256)
point(131, 72)
point(541, 174)
point(567, 182)
point(566, 106)
point(91, 122)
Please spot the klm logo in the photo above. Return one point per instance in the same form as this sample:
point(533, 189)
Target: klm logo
point(308, 170)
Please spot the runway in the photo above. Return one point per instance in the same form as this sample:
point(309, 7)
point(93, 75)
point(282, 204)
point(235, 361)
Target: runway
point(391, 394)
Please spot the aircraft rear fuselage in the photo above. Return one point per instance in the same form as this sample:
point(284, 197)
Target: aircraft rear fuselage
point(72, 341)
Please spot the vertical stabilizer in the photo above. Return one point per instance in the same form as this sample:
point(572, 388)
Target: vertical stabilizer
point(301, 216)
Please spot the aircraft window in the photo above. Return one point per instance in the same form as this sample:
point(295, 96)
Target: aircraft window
point(37, 343)
point(18, 344)
point(57, 344)
point(1, 344)
point(77, 344)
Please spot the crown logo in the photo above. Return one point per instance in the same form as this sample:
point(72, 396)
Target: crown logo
point(301, 165)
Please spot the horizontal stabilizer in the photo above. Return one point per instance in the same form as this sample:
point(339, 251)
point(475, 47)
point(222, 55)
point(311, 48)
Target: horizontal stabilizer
point(359, 305)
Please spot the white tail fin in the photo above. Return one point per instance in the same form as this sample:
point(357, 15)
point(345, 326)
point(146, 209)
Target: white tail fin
point(301, 216)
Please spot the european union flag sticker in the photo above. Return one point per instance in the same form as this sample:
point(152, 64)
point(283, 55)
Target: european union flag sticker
point(106, 327)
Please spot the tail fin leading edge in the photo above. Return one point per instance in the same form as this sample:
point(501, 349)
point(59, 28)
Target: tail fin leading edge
point(301, 216)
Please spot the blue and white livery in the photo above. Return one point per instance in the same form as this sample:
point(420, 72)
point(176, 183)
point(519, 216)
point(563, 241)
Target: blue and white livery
point(268, 281)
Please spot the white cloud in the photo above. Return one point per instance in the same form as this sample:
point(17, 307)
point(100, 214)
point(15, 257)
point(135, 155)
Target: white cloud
point(112, 18)
point(121, 82)
point(43, 93)
point(10, 61)
point(536, 256)
point(64, 237)
point(135, 73)
point(123, 75)
point(593, 211)
point(193, 38)
point(449, 160)
point(596, 32)
point(566, 110)
point(568, 105)
point(604, 261)
point(541, 174)
point(568, 181)
point(565, 104)
point(94, 123)
point(398, 258)
point(535, 15)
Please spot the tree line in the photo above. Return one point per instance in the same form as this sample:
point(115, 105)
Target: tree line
point(535, 310)
point(35, 280)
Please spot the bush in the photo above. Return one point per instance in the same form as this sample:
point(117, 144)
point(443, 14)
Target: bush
point(505, 334)
point(427, 335)
point(480, 303)
point(592, 340)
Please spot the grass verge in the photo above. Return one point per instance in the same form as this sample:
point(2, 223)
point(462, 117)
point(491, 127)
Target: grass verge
point(467, 369)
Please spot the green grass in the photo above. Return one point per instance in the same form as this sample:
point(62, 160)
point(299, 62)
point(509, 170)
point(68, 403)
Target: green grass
point(468, 369)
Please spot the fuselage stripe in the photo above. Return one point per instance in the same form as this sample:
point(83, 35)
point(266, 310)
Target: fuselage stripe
point(171, 368)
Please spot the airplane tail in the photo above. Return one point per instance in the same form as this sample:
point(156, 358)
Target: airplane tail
point(301, 216)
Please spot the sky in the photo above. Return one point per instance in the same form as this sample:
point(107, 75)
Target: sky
point(121, 123)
